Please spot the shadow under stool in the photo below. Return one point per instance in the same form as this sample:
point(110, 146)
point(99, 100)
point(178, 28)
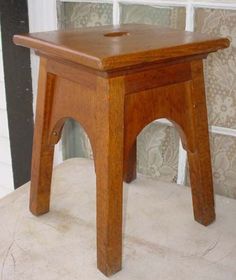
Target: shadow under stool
point(115, 80)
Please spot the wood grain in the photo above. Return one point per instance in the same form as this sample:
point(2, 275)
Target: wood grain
point(109, 173)
point(142, 44)
point(42, 156)
point(200, 158)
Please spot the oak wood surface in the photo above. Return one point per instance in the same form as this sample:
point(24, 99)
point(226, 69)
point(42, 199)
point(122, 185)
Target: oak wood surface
point(114, 87)
point(139, 44)
point(42, 155)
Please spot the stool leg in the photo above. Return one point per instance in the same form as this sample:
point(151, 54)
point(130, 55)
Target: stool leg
point(42, 157)
point(200, 159)
point(109, 175)
point(130, 161)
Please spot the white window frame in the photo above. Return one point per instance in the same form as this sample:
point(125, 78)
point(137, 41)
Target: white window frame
point(49, 21)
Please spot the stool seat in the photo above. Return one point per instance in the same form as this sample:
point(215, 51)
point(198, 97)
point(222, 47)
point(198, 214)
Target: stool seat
point(111, 47)
point(114, 81)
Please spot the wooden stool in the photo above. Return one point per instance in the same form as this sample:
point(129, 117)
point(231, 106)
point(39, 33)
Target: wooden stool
point(115, 81)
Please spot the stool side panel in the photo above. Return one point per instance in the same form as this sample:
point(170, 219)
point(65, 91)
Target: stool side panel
point(157, 77)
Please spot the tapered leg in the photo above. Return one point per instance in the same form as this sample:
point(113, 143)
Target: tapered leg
point(199, 158)
point(42, 157)
point(109, 174)
point(130, 161)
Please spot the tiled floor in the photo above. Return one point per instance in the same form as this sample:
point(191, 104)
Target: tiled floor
point(161, 239)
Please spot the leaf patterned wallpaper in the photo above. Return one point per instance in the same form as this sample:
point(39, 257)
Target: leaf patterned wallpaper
point(158, 144)
point(220, 76)
point(220, 69)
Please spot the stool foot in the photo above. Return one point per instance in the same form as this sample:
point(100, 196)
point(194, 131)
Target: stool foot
point(202, 187)
point(108, 270)
point(130, 159)
point(41, 180)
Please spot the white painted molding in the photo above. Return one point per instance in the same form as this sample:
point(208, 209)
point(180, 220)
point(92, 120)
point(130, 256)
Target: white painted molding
point(4, 130)
point(42, 17)
point(215, 5)
point(5, 151)
point(223, 131)
point(6, 176)
point(167, 3)
point(116, 12)
point(189, 17)
point(89, 1)
point(224, 4)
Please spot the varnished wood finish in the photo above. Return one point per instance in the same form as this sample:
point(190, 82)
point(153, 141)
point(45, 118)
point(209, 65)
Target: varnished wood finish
point(141, 44)
point(115, 86)
point(42, 156)
point(199, 158)
point(109, 173)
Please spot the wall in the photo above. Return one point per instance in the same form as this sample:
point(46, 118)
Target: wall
point(6, 175)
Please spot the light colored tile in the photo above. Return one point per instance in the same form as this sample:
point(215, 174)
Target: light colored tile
point(161, 239)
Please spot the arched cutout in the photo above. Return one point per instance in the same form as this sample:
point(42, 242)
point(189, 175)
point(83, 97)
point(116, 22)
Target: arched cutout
point(56, 132)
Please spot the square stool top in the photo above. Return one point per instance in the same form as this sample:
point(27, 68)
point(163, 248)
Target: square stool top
point(110, 47)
